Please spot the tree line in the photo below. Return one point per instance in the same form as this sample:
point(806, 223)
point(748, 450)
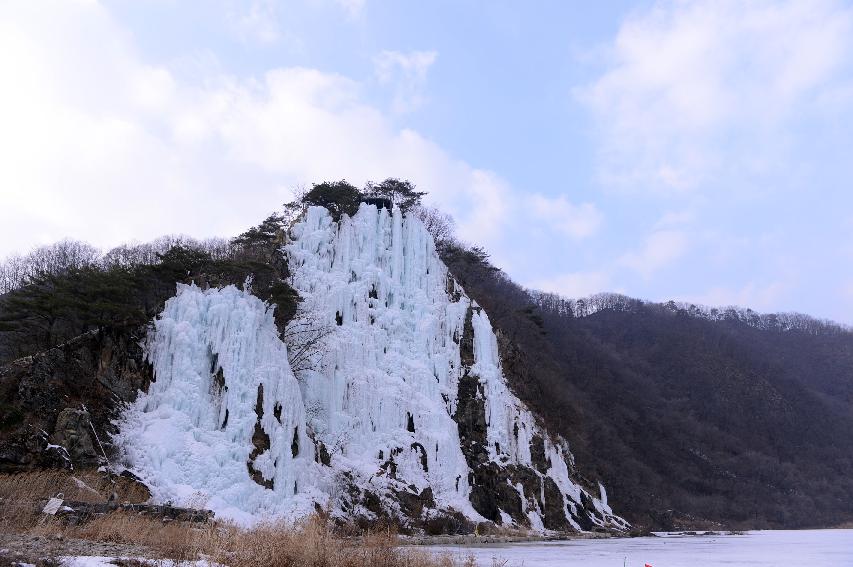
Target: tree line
point(60, 291)
point(779, 322)
point(68, 255)
point(690, 416)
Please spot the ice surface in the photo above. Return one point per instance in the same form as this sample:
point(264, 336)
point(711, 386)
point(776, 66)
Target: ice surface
point(814, 548)
point(191, 440)
point(394, 363)
point(384, 386)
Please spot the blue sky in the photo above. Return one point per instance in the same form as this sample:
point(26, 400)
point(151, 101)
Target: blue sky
point(690, 150)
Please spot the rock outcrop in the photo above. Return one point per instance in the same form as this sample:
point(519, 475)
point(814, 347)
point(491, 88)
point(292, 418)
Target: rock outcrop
point(57, 404)
point(391, 404)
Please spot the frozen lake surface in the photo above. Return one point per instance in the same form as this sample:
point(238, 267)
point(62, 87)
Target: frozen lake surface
point(812, 548)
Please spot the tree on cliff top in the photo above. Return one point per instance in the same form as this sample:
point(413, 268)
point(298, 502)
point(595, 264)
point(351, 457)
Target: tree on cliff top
point(338, 196)
point(401, 192)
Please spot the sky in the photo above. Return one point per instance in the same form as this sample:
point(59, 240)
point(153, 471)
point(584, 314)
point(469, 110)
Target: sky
point(700, 151)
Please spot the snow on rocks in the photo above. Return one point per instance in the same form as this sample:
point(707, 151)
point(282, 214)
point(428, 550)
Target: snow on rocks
point(403, 412)
point(386, 390)
point(216, 353)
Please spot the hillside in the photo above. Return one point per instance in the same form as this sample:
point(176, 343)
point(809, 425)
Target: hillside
point(400, 377)
point(379, 400)
point(686, 418)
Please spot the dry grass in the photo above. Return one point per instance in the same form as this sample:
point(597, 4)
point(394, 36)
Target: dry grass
point(310, 543)
point(22, 494)
point(81, 486)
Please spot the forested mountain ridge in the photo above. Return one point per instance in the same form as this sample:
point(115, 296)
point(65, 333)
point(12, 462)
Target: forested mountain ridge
point(690, 417)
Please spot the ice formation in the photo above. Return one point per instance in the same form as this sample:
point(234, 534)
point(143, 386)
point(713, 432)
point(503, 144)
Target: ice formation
point(190, 437)
point(404, 411)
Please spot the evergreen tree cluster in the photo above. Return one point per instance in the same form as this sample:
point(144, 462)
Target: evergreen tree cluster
point(342, 197)
point(127, 286)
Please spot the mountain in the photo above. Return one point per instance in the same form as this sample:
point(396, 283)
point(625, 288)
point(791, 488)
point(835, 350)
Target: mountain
point(363, 363)
point(390, 405)
point(691, 418)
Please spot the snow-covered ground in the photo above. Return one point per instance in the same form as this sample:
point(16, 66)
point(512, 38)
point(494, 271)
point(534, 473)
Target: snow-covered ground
point(812, 548)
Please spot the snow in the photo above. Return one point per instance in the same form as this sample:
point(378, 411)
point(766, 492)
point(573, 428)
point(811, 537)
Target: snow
point(390, 364)
point(176, 436)
point(396, 354)
point(392, 357)
point(815, 548)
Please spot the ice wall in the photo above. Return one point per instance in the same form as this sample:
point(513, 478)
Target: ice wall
point(403, 409)
point(190, 437)
point(387, 385)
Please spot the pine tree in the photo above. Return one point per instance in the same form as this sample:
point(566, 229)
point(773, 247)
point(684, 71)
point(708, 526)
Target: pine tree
point(401, 192)
point(340, 197)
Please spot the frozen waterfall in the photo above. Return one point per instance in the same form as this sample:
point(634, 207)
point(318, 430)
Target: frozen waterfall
point(375, 414)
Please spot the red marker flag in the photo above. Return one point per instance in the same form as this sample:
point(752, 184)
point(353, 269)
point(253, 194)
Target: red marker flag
point(647, 565)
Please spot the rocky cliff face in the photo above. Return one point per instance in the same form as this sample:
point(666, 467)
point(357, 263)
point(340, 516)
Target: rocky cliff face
point(57, 405)
point(400, 411)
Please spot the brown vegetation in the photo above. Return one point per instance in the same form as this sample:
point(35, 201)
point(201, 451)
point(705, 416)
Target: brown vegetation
point(313, 542)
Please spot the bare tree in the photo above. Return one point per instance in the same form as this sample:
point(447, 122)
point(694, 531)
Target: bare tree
point(306, 336)
point(217, 248)
point(440, 225)
point(49, 260)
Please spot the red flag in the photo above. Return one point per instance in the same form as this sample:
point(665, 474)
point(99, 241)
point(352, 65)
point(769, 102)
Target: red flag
point(647, 565)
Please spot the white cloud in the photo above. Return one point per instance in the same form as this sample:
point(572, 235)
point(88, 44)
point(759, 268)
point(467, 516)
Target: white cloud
point(661, 248)
point(407, 74)
point(99, 145)
point(259, 22)
point(694, 90)
point(353, 8)
point(576, 284)
point(577, 221)
point(675, 218)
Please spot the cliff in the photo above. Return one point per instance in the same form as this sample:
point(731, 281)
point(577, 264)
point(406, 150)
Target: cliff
point(403, 414)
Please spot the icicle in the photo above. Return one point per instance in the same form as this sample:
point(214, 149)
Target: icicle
point(385, 383)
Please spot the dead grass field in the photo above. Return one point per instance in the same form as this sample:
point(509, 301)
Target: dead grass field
point(309, 543)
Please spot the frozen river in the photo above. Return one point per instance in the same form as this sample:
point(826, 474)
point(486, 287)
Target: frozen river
point(811, 548)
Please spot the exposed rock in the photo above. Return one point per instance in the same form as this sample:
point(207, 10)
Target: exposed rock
point(261, 442)
point(81, 512)
point(537, 454)
point(73, 432)
point(496, 488)
point(132, 487)
point(98, 370)
point(322, 454)
point(554, 517)
point(423, 455)
point(466, 343)
point(411, 503)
